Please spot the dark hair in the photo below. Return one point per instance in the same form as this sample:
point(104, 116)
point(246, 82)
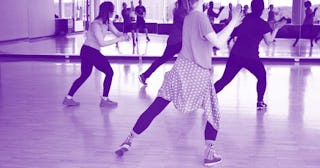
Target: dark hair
point(210, 4)
point(105, 10)
point(307, 4)
point(124, 4)
point(257, 7)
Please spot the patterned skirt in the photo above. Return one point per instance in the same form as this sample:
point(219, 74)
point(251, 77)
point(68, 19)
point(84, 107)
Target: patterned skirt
point(190, 87)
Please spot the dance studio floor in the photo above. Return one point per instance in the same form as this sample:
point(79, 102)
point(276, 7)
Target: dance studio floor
point(69, 46)
point(37, 131)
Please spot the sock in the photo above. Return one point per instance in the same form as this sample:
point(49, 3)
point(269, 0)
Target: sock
point(104, 98)
point(208, 152)
point(131, 136)
point(209, 143)
point(69, 97)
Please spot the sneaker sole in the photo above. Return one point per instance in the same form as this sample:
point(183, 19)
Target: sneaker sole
point(120, 152)
point(70, 105)
point(213, 163)
point(261, 108)
point(108, 105)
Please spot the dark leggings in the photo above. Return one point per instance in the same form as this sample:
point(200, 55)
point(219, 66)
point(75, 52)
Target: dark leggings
point(306, 31)
point(92, 57)
point(234, 65)
point(169, 53)
point(155, 109)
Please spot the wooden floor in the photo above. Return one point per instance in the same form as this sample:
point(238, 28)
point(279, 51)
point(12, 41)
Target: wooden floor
point(37, 131)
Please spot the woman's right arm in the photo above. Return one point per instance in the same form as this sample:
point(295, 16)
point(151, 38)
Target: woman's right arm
point(220, 39)
point(96, 28)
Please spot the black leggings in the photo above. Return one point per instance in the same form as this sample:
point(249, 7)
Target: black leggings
point(169, 53)
point(155, 109)
point(234, 65)
point(92, 57)
point(307, 31)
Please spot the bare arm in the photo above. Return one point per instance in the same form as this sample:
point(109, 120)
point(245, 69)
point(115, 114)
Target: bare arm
point(114, 30)
point(220, 39)
point(96, 28)
point(269, 37)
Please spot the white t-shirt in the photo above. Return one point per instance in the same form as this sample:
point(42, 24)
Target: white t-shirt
point(195, 46)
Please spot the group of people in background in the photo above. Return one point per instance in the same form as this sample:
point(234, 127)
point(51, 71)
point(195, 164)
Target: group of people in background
point(128, 15)
point(189, 84)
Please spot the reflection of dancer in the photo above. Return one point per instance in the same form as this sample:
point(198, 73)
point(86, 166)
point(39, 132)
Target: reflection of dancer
point(245, 10)
point(233, 34)
point(174, 42)
point(245, 52)
point(141, 23)
point(272, 16)
point(307, 27)
point(211, 14)
point(91, 56)
point(189, 83)
point(227, 20)
point(127, 22)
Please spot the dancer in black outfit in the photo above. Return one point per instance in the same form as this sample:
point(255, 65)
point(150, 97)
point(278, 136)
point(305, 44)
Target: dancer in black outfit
point(127, 22)
point(211, 14)
point(91, 56)
point(141, 23)
point(245, 52)
point(174, 42)
point(307, 26)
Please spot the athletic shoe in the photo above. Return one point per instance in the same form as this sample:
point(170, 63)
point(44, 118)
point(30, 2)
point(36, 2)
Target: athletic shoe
point(142, 79)
point(212, 157)
point(148, 39)
point(124, 147)
point(261, 105)
point(70, 102)
point(108, 102)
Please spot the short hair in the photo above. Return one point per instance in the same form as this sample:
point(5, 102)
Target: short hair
point(257, 7)
point(307, 4)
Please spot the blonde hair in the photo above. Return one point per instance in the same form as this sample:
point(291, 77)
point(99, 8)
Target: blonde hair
point(187, 4)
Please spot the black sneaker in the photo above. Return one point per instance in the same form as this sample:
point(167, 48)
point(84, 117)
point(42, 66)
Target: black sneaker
point(142, 79)
point(261, 105)
point(148, 39)
point(124, 147)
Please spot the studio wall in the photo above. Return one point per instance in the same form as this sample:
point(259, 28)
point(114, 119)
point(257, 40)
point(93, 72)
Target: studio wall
point(26, 19)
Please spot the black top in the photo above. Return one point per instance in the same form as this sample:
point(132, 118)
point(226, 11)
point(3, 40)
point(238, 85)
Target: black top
point(211, 14)
point(250, 33)
point(271, 16)
point(140, 10)
point(308, 20)
point(126, 15)
point(175, 35)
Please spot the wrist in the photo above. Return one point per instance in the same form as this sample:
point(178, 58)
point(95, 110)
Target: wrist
point(232, 23)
